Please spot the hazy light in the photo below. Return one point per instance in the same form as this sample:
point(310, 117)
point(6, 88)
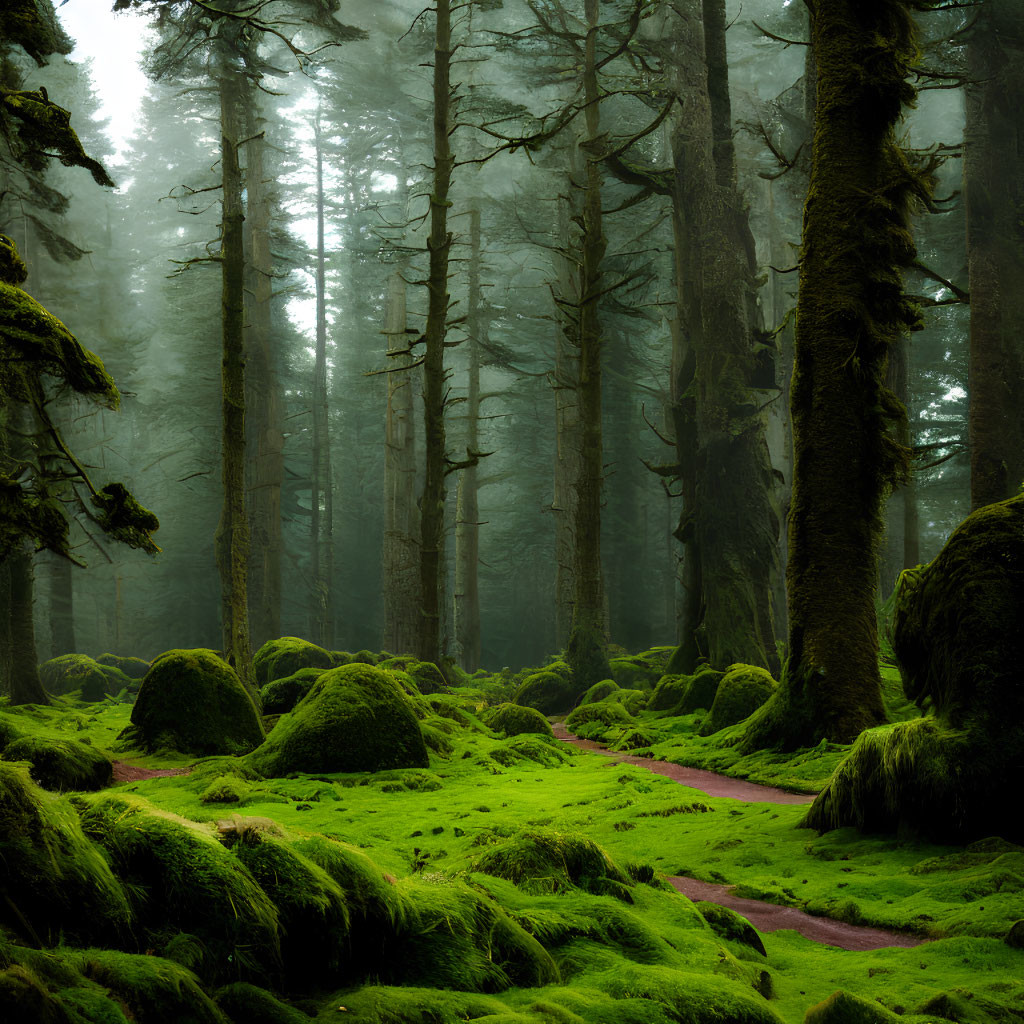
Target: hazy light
point(383, 182)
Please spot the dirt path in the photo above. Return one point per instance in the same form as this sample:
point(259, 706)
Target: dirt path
point(696, 778)
point(766, 917)
point(769, 917)
point(124, 772)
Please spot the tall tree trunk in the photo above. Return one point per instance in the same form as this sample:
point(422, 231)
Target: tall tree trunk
point(432, 502)
point(401, 534)
point(850, 312)
point(264, 411)
point(321, 486)
point(567, 430)
point(994, 187)
point(467, 512)
point(25, 685)
point(62, 607)
point(232, 539)
point(587, 649)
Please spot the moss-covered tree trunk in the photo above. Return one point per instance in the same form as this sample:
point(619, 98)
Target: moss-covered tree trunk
point(232, 539)
point(25, 685)
point(994, 189)
point(264, 411)
point(321, 484)
point(586, 650)
point(432, 501)
point(467, 511)
point(401, 580)
point(734, 524)
point(850, 312)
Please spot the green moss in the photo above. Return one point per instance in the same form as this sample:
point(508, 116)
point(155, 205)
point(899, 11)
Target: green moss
point(25, 1000)
point(192, 701)
point(184, 878)
point(78, 672)
point(549, 692)
point(701, 692)
point(634, 701)
point(729, 925)
point(249, 1004)
point(225, 789)
point(846, 1008)
point(428, 677)
point(514, 719)
point(599, 691)
point(668, 693)
point(56, 880)
point(281, 695)
point(636, 672)
point(61, 764)
point(602, 721)
point(278, 659)
point(741, 691)
point(134, 668)
point(529, 747)
point(548, 861)
point(355, 719)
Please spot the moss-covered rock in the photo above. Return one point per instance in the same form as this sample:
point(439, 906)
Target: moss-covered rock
point(61, 764)
point(701, 692)
point(668, 693)
point(364, 657)
point(192, 701)
point(741, 691)
point(25, 1000)
point(133, 668)
point(960, 648)
point(846, 1008)
point(514, 719)
point(608, 714)
point(729, 925)
point(636, 672)
point(428, 677)
point(546, 861)
point(281, 695)
point(54, 877)
point(76, 672)
point(599, 691)
point(250, 1004)
point(549, 692)
point(356, 718)
point(284, 656)
point(634, 701)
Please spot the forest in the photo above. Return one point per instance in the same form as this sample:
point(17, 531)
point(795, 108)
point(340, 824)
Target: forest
point(511, 511)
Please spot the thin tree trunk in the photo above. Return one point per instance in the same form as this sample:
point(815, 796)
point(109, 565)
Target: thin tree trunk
point(321, 521)
point(587, 650)
point(432, 503)
point(25, 685)
point(994, 189)
point(232, 540)
point(467, 512)
point(401, 534)
point(850, 313)
point(264, 416)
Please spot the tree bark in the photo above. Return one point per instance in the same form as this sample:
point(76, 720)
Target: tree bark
point(432, 503)
point(850, 312)
point(25, 685)
point(994, 192)
point(321, 484)
point(232, 539)
point(401, 534)
point(587, 649)
point(467, 511)
point(264, 411)
point(62, 606)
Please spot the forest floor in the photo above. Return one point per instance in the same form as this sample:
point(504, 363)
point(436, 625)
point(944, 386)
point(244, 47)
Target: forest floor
point(426, 827)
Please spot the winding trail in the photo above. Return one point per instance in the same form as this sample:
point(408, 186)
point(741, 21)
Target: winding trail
point(765, 917)
point(124, 772)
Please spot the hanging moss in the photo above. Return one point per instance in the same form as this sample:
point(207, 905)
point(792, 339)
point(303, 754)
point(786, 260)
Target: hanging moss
point(57, 883)
point(194, 702)
point(61, 764)
point(278, 659)
point(355, 719)
point(741, 691)
point(514, 719)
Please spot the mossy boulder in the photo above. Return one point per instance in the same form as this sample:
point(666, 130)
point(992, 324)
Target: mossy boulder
point(283, 657)
point(549, 692)
point(53, 875)
point(957, 638)
point(364, 657)
point(356, 718)
point(133, 668)
point(635, 672)
point(61, 764)
point(427, 676)
point(254, 1005)
point(702, 690)
point(599, 691)
point(514, 720)
point(192, 701)
point(727, 924)
point(634, 701)
point(741, 691)
point(668, 693)
point(281, 695)
point(71, 672)
point(606, 721)
point(845, 1008)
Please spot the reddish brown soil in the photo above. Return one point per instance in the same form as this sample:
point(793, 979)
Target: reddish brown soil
point(768, 917)
point(696, 778)
point(124, 772)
